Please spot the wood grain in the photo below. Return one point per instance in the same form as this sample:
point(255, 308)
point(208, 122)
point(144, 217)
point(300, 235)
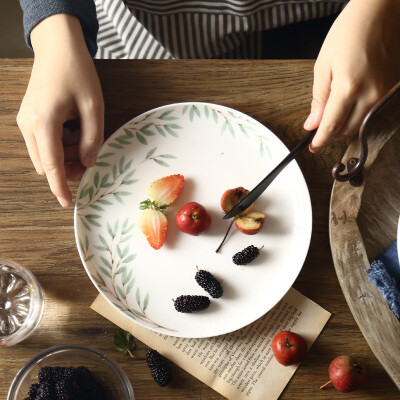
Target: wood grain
point(363, 224)
point(35, 232)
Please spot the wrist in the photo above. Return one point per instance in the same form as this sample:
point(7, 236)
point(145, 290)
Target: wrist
point(59, 31)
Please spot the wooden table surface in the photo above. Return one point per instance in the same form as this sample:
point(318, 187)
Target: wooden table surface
point(37, 233)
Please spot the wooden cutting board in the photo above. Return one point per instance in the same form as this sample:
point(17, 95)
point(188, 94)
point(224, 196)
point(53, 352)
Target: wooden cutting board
point(363, 223)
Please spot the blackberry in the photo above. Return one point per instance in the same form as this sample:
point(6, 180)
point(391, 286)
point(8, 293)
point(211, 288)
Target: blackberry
point(158, 368)
point(63, 374)
point(32, 392)
point(44, 392)
point(64, 390)
point(246, 256)
point(45, 374)
point(83, 377)
point(209, 283)
point(188, 304)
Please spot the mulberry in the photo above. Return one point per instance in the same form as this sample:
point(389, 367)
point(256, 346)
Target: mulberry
point(158, 368)
point(246, 256)
point(209, 283)
point(188, 304)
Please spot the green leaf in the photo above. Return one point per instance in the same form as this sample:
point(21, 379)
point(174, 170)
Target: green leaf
point(110, 231)
point(123, 193)
point(123, 140)
point(151, 152)
point(84, 191)
point(105, 272)
point(116, 226)
point(91, 218)
point(129, 259)
point(106, 185)
point(141, 138)
point(120, 292)
point(148, 133)
point(129, 175)
point(197, 111)
point(167, 156)
point(170, 130)
point(104, 241)
point(224, 126)
point(129, 133)
point(115, 171)
point(231, 129)
point(81, 246)
point(120, 270)
point(130, 286)
point(127, 278)
point(124, 342)
point(102, 164)
point(128, 229)
point(170, 118)
point(261, 150)
point(191, 114)
point(104, 179)
point(184, 109)
point(144, 127)
point(243, 129)
point(85, 225)
point(164, 164)
point(138, 295)
point(206, 111)
point(215, 116)
point(163, 115)
point(105, 202)
point(87, 242)
point(106, 262)
point(121, 164)
point(131, 182)
point(99, 280)
point(90, 192)
point(96, 207)
point(160, 130)
point(127, 166)
point(105, 155)
point(146, 301)
point(268, 152)
point(174, 126)
point(115, 145)
point(118, 198)
point(101, 248)
point(89, 258)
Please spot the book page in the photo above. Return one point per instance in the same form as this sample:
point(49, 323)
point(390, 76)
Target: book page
point(239, 365)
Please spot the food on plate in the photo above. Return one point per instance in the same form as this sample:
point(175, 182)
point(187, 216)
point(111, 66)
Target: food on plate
point(65, 383)
point(153, 224)
point(193, 219)
point(158, 368)
point(162, 193)
point(209, 283)
point(251, 223)
point(346, 374)
point(231, 197)
point(247, 255)
point(189, 304)
point(289, 348)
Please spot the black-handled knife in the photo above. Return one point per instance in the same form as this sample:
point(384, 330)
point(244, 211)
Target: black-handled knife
point(260, 188)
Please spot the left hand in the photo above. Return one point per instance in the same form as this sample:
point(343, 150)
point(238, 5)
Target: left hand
point(358, 63)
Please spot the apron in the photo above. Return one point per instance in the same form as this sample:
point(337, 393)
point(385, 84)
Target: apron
point(167, 29)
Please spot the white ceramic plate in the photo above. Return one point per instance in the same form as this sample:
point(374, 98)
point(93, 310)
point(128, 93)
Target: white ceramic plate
point(215, 148)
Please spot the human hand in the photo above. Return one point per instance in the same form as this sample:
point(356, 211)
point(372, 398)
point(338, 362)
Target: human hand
point(64, 85)
point(358, 63)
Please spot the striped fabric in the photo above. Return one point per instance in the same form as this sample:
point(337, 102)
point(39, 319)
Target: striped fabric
point(163, 29)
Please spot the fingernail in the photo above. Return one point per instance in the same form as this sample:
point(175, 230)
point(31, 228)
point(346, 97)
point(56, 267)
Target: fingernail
point(63, 202)
point(309, 124)
point(90, 159)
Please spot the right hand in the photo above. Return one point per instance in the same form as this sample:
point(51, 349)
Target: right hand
point(64, 85)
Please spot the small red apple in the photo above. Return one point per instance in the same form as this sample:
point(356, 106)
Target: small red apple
point(346, 374)
point(231, 197)
point(193, 219)
point(289, 348)
point(251, 223)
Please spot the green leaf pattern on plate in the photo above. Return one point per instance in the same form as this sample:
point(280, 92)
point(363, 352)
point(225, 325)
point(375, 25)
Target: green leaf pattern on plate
point(229, 122)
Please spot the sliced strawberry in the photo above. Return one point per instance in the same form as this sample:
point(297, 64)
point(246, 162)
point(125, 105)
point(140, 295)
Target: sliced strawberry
point(164, 191)
point(153, 223)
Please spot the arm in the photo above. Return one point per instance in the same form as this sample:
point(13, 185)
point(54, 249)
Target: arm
point(358, 63)
point(37, 10)
point(64, 85)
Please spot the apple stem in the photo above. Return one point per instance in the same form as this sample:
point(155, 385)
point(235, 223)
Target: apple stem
point(226, 235)
point(325, 384)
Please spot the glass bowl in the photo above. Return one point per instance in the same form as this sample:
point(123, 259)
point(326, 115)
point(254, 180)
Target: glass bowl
point(105, 370)
point(21, 303)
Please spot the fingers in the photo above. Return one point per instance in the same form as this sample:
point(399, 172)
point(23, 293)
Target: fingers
point(33, 152)
point(49, 143)
point(92, 131)
point(337, 109)
point(321, 90)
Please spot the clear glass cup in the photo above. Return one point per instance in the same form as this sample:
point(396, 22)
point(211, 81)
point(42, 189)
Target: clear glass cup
point(105, 370)
point(21, 303)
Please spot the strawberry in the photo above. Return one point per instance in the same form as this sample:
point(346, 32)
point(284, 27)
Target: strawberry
point(153, 223)
point(163, 192)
